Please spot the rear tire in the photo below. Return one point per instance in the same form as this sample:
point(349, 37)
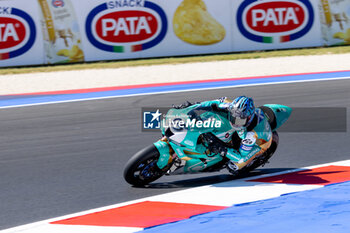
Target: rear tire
point(142, 168)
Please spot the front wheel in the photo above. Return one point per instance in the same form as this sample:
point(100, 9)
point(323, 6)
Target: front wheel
point(142, 168)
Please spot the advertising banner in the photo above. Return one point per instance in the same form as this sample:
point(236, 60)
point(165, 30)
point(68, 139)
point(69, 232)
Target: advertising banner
point(61, 32)
point(198, 26)
point(20, 37)
point(275, 24)
point(121, 29)
point(64, 31)
point(144, 28)
point(335, 21)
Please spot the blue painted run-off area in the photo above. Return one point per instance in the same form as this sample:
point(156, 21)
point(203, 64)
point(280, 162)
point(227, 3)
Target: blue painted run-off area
point(321, 210)
point(20, 100)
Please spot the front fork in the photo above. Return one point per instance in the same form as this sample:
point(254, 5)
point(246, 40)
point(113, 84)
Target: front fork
point(165, 152)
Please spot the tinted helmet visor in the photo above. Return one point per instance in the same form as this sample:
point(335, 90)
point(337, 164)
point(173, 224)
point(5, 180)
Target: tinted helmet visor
point(240, 122)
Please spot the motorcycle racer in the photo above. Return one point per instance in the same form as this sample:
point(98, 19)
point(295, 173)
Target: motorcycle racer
point(210, 136)
point(249, 137)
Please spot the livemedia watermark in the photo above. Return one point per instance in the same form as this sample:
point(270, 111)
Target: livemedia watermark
point(302, 120)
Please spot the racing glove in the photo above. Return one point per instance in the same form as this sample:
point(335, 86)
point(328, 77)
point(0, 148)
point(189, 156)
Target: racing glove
point(183, 105)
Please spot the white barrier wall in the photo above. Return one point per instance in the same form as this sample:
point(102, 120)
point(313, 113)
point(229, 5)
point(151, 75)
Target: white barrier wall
point(62, 31)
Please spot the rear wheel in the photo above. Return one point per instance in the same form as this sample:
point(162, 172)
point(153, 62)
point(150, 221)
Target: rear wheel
point(142, 168)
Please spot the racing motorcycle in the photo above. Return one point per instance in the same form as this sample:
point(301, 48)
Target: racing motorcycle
point(185, 145)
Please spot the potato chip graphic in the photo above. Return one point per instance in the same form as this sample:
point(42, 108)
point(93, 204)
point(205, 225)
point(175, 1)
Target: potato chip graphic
point(343, 36)
point(194, 24)
point(339, 35)
point(75, 54)
point(63, 52)
point(347, 35)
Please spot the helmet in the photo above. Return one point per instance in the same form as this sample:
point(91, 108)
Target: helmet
point(242, 111)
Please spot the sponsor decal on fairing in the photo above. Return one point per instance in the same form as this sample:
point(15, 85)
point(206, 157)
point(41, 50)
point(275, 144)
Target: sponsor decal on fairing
point(126, 26)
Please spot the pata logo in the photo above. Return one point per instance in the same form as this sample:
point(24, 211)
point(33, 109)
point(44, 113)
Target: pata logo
point(17, 32)
point(271, 21)
point(126, 26)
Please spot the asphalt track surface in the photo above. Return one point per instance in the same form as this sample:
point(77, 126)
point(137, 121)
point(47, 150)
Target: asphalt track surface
point(59, 159)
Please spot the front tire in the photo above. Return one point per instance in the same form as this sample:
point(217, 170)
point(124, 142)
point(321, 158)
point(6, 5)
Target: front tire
point(142, 168)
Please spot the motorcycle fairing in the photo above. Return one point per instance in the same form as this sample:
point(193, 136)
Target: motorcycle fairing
point(181, 140)
point(281, 112)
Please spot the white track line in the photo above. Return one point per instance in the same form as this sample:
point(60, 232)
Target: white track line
point(177, 91)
